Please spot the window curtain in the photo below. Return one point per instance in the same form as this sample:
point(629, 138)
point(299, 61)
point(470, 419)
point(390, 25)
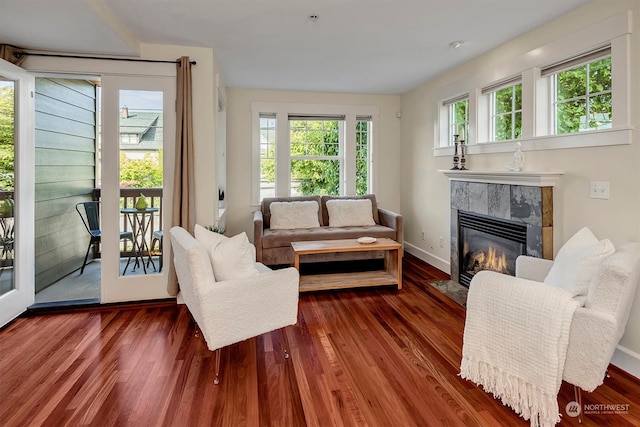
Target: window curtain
point(183, 206)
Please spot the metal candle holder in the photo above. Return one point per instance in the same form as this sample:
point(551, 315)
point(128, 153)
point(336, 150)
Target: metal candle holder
point(456, 158)
point(463, 160)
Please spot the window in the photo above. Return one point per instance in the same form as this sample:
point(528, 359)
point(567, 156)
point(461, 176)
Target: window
point(458, 111)
point(506, 113)
point(363, 136)
point(322, 152)
point(267, 155)
point(582, 95)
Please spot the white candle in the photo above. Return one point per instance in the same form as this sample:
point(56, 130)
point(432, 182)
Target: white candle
point(461, 132)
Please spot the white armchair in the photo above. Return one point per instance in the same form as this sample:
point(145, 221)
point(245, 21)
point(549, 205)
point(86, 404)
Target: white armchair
point(597, 327)
point(593, 332)
point(232, 310)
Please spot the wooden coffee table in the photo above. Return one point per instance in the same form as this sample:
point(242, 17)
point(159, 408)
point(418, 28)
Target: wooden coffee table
point(391, 275)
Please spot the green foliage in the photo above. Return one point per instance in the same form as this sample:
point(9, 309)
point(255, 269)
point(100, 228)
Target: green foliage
point(141, 173)
point(584, 97)
point(507, 122)
point(7, 133)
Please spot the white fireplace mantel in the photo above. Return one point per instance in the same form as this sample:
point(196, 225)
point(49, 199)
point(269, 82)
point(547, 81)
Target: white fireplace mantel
point(527, 178)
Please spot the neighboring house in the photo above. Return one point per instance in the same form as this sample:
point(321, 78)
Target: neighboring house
point(140, 133)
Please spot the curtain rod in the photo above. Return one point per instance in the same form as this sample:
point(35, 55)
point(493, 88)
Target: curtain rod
point(18, 55)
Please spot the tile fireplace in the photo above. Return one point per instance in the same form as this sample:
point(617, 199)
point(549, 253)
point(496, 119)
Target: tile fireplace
point(497, 216)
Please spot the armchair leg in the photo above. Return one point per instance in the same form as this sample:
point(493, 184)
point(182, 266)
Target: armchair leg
point(285, 343)
point(216, 380)
point(577, 391)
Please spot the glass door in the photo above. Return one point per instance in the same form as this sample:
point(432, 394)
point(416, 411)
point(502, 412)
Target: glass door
point(16, 191)
point(136, 179)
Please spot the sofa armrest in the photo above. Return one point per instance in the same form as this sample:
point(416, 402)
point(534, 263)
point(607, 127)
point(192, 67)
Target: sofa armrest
point(592, 342)
point(531, 268)
point(269, 302)
point(258, 229)
point(393, 220)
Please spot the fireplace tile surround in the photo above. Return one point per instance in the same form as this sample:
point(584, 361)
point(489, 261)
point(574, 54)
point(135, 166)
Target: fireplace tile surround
point(519, 197)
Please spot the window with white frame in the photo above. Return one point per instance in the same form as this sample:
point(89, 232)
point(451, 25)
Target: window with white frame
point(558, 100)
point(582, 96)
point(315, 155)
point(363, 151)
point(505, 102)
point(312, 154)
point(267, 155)
point(458, 117)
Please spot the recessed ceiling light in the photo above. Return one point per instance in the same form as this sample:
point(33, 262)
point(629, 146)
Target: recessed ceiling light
point(313, 17)
point(456, 44)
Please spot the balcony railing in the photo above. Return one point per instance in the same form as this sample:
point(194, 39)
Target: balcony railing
point(128, 197)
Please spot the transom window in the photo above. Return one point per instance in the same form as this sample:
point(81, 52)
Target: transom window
point(458, 117)
point(506, 113)
point(583, 97)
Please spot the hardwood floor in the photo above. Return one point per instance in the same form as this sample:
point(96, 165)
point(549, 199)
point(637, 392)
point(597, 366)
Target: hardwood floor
point(376, 357)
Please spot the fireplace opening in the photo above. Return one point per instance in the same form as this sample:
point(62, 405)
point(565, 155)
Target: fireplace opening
point(488, 243)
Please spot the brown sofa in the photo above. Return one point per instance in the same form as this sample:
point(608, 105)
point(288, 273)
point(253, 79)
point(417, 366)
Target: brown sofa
point(273, 247)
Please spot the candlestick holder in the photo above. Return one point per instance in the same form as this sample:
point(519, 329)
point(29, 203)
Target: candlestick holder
point(456, 157)
point(463, 160)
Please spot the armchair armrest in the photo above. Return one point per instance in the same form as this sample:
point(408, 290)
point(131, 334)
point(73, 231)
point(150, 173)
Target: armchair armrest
point(269, 302)
point(393, 220)
point(258, 228)
point(592, 342)
point(532, 268)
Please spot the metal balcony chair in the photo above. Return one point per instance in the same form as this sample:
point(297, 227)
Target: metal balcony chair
point(157, 238)
point(91, 221)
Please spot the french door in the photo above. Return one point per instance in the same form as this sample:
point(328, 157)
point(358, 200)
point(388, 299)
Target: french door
point(16, 191)
point(136, 156)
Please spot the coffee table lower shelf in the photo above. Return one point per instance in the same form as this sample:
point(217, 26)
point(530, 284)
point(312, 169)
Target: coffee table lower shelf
point(319, 282)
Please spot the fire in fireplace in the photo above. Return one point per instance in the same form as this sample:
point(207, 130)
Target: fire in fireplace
point(488, 243)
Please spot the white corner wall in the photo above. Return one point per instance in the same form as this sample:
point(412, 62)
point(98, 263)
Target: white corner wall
point(239, 214)
point(425, 192)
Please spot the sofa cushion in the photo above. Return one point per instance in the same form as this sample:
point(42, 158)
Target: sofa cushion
point(351, 212)
point(294, 215)
point(266, 206)
point(577, 262)
point(325, 213)
point(283, 238)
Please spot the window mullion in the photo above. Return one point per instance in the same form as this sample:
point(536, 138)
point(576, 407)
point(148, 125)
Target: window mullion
point(348, 154)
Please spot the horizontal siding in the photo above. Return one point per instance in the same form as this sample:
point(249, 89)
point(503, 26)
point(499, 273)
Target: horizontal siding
point(65, 174)
point(64, 142)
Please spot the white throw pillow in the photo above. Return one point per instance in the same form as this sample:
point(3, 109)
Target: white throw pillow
point(209, 239)
point(577, 262)
point(234, 258)
point(292, 215)
point(350, 213)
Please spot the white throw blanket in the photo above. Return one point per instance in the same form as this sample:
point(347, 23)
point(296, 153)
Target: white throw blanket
point(515, 343)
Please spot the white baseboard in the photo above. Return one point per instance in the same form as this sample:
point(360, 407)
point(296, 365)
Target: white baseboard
point(627, 360)
point(427, 257)
point(623, 358)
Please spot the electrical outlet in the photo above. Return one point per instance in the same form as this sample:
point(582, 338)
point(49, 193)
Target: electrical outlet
point(599, 190)
point(424, 236)
point(442, 242)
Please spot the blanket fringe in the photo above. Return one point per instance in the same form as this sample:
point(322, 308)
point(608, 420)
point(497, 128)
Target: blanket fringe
point(531, 403)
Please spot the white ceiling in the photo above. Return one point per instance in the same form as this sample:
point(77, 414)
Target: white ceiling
point(356, 46)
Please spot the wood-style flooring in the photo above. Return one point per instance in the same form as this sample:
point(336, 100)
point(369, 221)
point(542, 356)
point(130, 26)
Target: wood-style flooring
point(372, 357)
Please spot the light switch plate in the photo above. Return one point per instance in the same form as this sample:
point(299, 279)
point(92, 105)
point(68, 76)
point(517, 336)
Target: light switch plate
point(599, 190)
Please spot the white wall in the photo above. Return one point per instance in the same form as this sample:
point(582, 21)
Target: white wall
point(425, 192)
point(239, 215)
